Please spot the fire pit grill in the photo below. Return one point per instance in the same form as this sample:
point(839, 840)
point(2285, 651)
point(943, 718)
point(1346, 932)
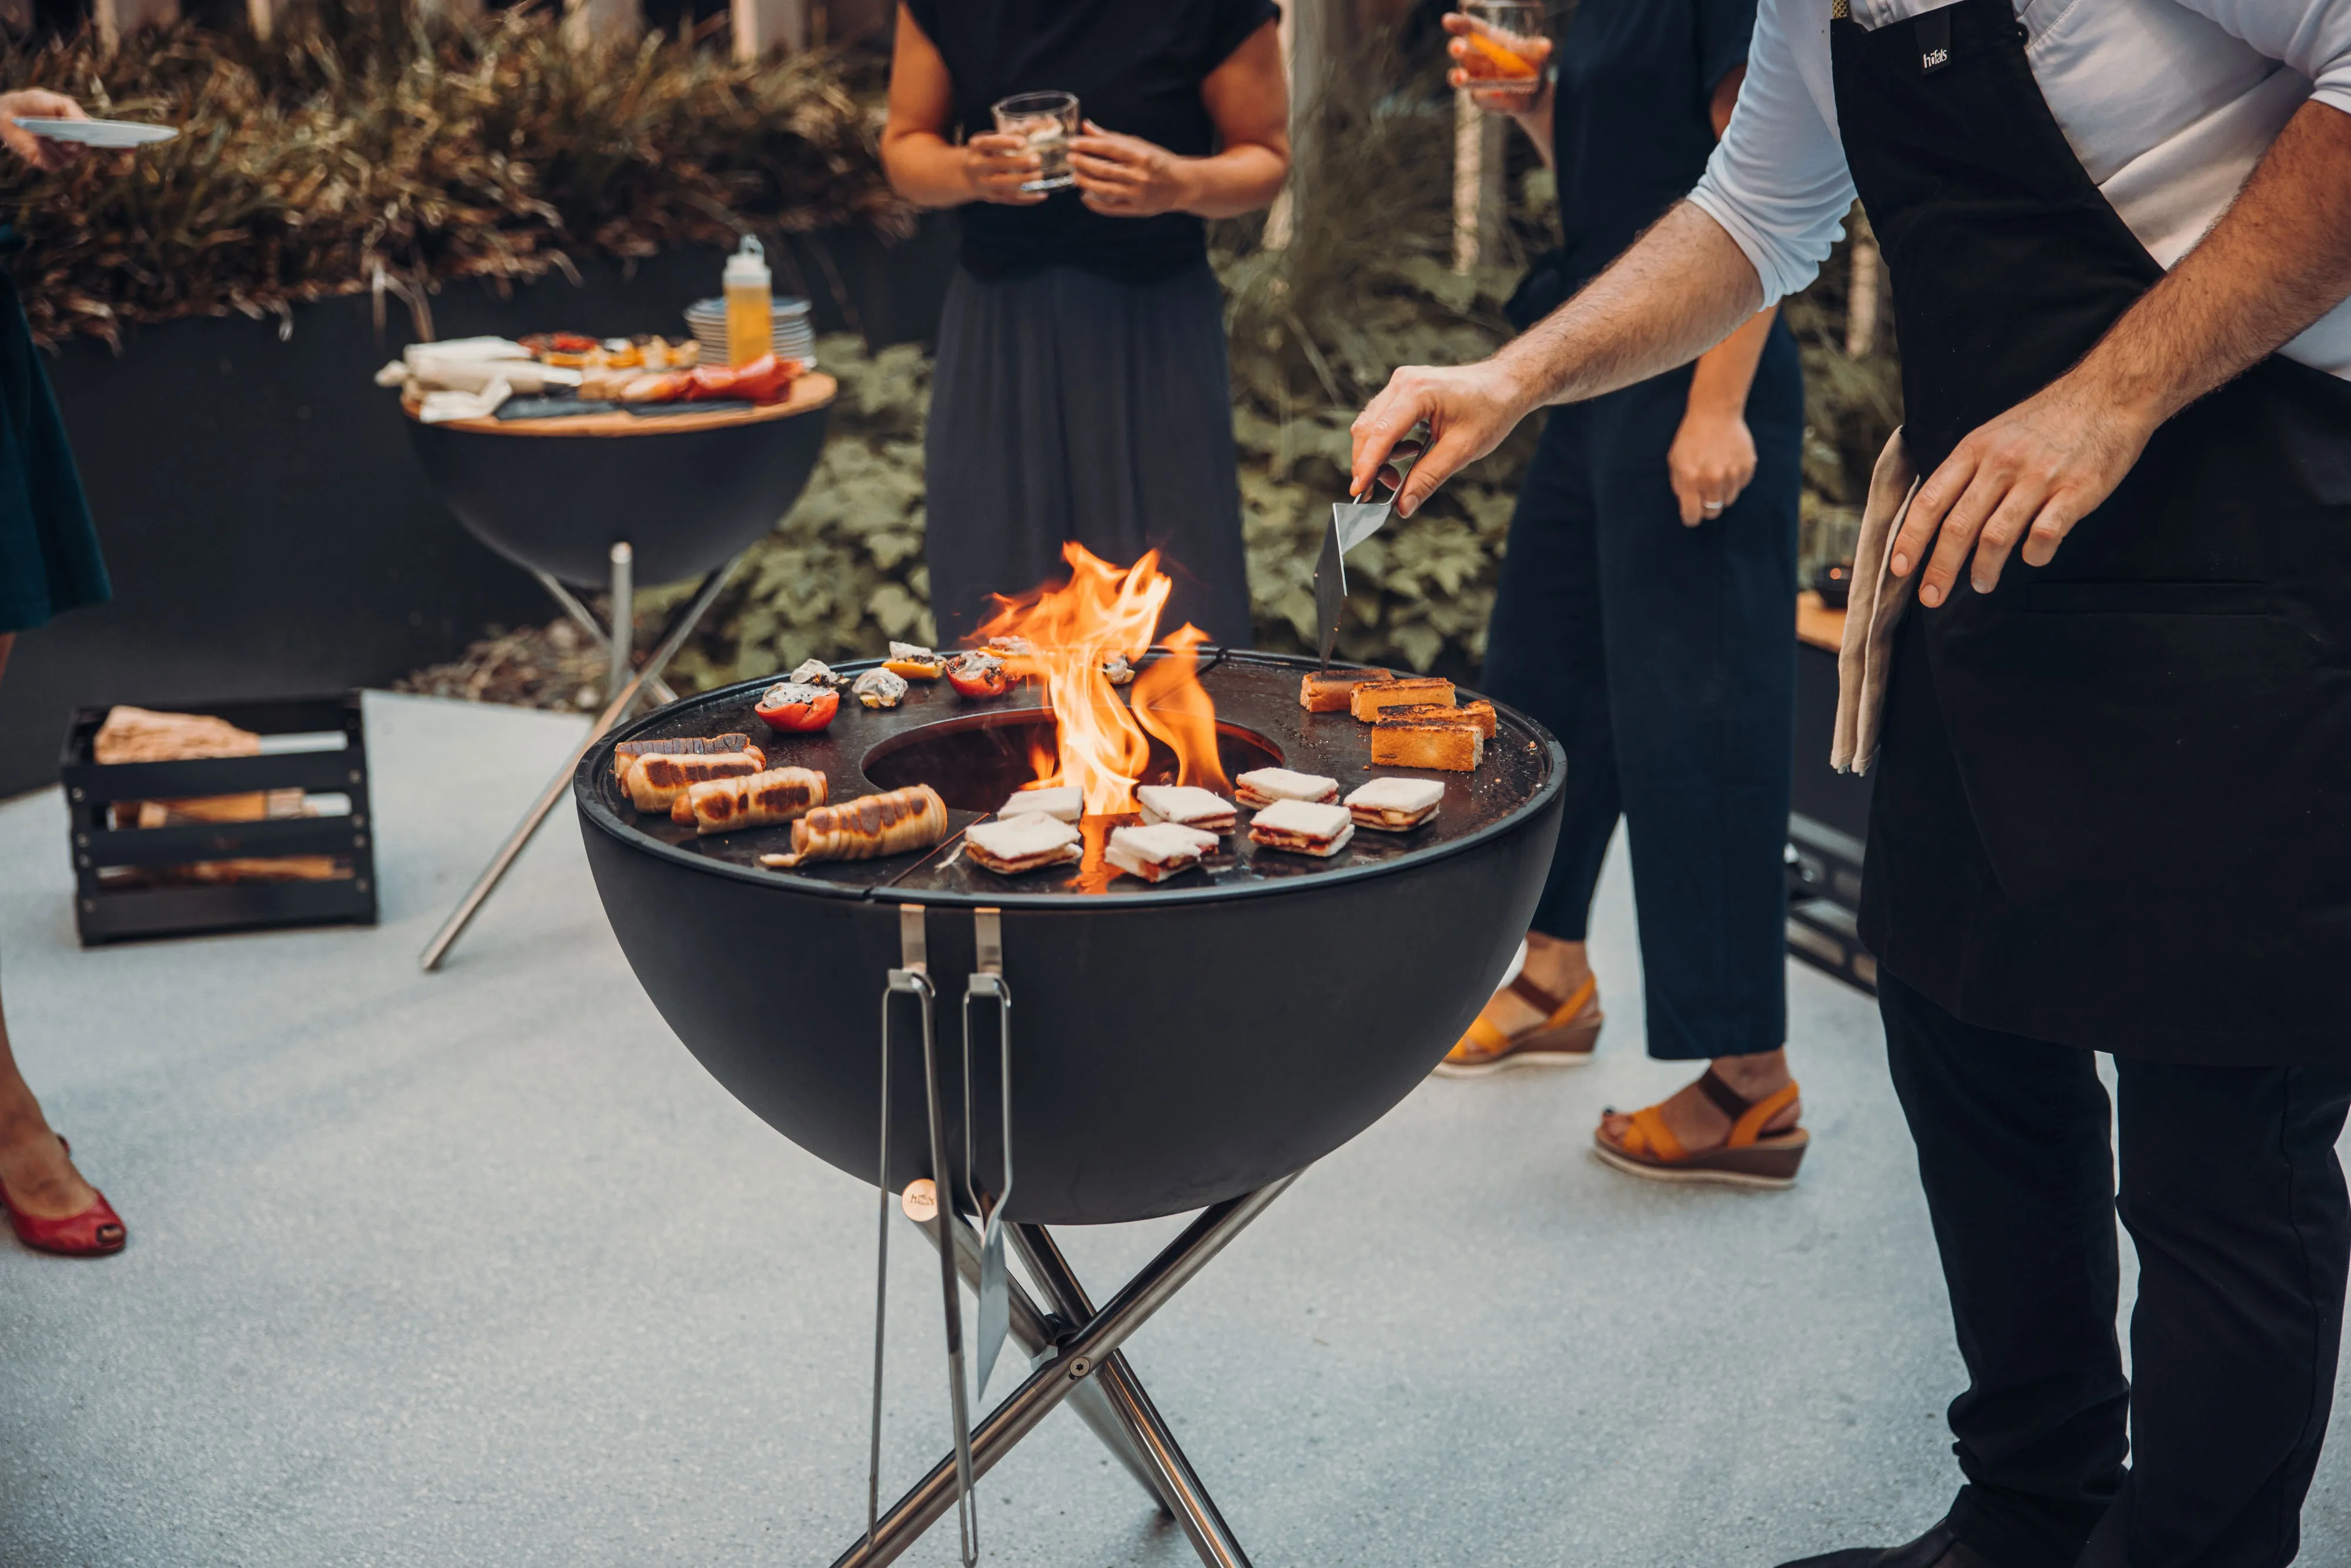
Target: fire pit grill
point(1186, 1045)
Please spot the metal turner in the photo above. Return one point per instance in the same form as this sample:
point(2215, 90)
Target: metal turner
point(1353, 521)
point(995, 1284)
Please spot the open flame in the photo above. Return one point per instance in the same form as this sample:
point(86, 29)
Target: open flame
point(1100, 744)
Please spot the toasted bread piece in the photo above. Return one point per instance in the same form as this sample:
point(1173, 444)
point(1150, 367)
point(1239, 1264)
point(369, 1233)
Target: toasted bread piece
point(1062, 802)
point(1449, 745)
point(1480, 713)
point(1366, 701)
point(1195, 808)
point(1327, 690)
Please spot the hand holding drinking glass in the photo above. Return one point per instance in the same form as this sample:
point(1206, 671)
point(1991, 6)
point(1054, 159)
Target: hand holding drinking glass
point(1000, 166)
point(1126, 177)
point(1499, 54)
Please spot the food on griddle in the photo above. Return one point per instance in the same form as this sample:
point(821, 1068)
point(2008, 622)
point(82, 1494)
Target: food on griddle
point(879, 688)
point(867, 828)
point(1449, 745)
point(915, 662)
point(1479, 712)
point(813, 673)
point(979, 675)
point(655, 783)
point(1194, 808)
point(754, 801)
point(1010, 647)
point(1062, 802)
point(1029, 841)
point(1327, 690)
point(1262, 787)
point(796, 709)
point(628, 751)
point(1118, 669)
point(1367, 700)
point(1158, 850)
point(1303, 827)
point(1394, 805)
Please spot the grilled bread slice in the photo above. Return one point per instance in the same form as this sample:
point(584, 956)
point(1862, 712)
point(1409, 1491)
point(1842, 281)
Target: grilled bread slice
point(1366, 701)
point(1447, 745)
point(1479, 712)
point(1327, 690)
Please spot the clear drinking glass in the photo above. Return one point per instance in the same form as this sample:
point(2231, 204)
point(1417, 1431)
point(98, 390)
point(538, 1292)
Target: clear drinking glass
point(1494, 58)
point(1046, 121)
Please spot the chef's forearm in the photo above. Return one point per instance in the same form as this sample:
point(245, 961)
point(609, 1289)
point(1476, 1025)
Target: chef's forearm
point(2279, 260)
point(1682, 288)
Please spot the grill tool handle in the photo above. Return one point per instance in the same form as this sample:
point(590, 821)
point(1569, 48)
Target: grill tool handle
point(987, 983)
point(912, 949)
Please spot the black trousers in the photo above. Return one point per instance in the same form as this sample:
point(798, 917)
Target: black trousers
point(1665, 660)
point(2233, 1196)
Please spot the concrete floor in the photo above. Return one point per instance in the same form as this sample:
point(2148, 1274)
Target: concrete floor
point(481, 1268)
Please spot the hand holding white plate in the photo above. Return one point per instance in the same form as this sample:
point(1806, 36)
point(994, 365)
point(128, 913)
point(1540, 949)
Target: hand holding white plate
point(99, 132)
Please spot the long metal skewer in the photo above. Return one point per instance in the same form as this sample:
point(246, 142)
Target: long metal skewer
point(680, 627)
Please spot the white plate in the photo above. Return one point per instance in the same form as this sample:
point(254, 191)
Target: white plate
point(99, 132)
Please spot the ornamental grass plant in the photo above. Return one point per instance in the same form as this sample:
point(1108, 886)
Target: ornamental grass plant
point(364, 146)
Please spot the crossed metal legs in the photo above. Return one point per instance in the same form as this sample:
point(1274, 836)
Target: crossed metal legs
point(1083, 1365)
point(625, 688)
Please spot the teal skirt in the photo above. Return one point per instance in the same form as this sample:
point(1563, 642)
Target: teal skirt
point(49, 559)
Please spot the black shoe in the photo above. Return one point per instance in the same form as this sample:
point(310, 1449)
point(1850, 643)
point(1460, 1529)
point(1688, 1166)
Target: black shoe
point(1939, 1548)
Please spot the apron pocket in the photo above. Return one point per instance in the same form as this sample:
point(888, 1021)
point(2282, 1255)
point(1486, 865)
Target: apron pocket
point(2162, 741)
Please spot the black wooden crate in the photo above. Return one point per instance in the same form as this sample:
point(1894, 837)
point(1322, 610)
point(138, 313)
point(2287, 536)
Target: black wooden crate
point(107, 912)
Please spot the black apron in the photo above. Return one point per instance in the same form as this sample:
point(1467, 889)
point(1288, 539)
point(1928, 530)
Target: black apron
point(2113, 798)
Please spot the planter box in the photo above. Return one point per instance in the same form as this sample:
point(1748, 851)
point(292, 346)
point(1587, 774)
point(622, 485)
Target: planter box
point(265, 521)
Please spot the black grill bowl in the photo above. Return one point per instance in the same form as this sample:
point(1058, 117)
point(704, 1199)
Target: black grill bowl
point(1171, 1047)
point(684, 498)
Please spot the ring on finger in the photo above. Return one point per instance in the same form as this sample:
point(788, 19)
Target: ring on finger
point(1710, 506)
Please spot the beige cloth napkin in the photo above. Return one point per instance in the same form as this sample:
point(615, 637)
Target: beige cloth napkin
point(1873, 610)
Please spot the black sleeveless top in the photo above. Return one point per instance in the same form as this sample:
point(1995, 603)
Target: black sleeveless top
point(1135, 67)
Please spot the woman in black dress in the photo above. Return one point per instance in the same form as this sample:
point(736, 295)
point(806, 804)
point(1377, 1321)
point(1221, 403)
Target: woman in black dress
point(1080, 389)
point(49, 563)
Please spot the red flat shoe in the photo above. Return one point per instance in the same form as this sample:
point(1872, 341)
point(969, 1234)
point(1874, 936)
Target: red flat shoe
point(93, 1233)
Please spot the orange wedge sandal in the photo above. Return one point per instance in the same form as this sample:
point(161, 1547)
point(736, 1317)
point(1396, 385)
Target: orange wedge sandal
point(1570, 1028)
point(1750, 1157)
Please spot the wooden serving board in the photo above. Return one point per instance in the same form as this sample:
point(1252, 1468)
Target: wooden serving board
point(812, 390)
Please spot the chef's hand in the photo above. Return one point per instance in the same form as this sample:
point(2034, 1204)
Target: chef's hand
point(1535, 51)
point(1126, 177)
point(1469, 410)
point(2031, 474)
point(40, 152)
point(995, 164)
point(1712, 459)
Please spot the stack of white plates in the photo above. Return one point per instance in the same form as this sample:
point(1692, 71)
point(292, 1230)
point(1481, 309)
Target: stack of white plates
point(794, 339)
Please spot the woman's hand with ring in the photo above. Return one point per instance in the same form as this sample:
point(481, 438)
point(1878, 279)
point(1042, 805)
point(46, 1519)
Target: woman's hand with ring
point(995, 165)
point(1712, 459)
point(1126, 177)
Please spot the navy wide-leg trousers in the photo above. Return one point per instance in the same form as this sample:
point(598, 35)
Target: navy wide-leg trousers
point(1663, 659)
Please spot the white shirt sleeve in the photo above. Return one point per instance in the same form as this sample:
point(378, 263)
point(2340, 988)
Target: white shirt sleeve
point(1778, 183)
point(2314, 37)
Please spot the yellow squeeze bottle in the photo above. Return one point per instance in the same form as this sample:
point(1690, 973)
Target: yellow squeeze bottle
point(750, 304)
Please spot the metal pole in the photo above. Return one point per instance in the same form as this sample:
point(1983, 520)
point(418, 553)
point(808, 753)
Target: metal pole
point(1211, 1537)
point(1051, 1383)
point(585, 619)
point(1035, 1333)
point(622, 640)
point(680, 627)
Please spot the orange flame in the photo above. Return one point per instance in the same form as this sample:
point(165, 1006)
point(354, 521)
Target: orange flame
point(1170, 702)
point(1100, 746)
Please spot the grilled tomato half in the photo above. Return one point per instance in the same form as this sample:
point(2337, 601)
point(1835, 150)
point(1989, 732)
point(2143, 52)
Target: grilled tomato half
point(793, 709)
point(979, 675)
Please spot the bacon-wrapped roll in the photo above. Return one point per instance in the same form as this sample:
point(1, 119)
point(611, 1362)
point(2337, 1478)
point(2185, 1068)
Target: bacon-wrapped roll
point(625, 755)
point(655, 783)
point(756, 800)
point(867, 828)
